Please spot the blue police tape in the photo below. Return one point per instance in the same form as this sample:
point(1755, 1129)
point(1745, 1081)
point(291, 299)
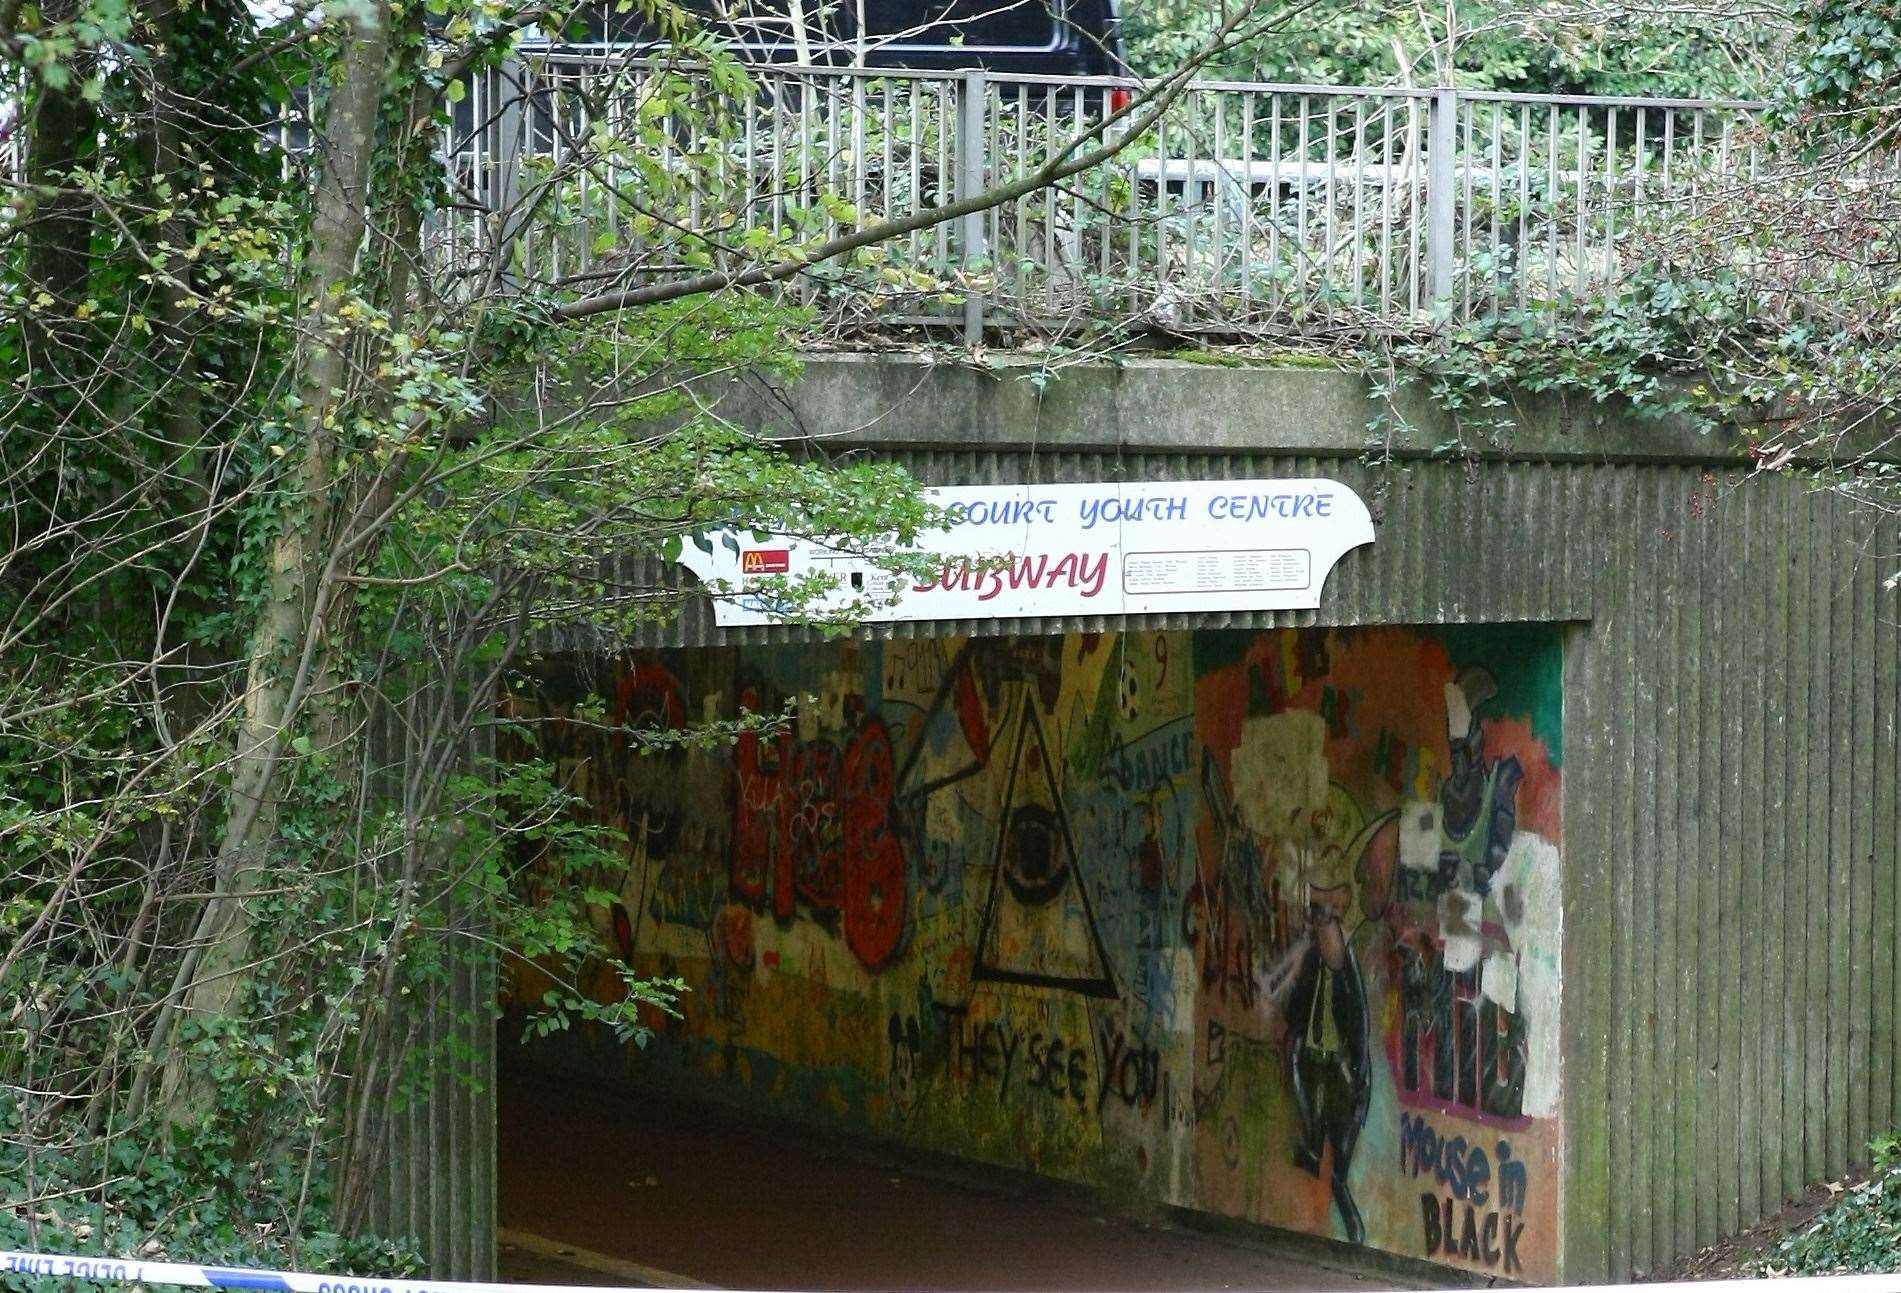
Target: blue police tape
point(188, 1275)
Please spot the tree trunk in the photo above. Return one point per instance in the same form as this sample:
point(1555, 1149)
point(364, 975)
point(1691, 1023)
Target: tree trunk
point(60, 137)
point(286, 649)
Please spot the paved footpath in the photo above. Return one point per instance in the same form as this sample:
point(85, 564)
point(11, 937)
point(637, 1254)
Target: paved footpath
point(612, 1188)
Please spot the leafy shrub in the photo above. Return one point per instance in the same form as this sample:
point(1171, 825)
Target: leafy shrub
point(1859, 1232)
point(192, 1201)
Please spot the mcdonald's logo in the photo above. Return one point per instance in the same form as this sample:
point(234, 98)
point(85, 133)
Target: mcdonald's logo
point(765, 561)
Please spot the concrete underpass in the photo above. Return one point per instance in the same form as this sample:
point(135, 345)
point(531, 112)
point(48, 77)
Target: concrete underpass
point(1446, 927)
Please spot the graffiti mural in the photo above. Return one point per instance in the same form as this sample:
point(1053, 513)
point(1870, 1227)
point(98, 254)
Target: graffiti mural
point(1260, 923)
point(812, 828)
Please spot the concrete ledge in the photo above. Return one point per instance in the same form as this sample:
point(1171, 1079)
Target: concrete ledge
point(914, 400)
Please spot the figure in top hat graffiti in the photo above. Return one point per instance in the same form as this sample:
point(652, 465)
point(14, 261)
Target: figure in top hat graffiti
point(1283, 796)
point(1327, 1045)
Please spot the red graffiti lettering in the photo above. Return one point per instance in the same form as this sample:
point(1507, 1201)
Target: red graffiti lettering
point(812, 843)
point(813, 826)
point(874, 861)
point(756, 765)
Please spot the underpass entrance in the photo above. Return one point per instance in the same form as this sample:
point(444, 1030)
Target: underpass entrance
point(1255, 925)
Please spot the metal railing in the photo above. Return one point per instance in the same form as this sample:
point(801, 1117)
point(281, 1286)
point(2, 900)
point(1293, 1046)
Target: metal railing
point(1246, 207)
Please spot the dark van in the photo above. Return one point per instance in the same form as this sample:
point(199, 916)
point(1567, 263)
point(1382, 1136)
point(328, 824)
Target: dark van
point(1026, 37)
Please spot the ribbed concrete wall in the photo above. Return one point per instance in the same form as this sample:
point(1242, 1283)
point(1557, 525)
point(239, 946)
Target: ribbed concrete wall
point(1730, 984)
point(435, 1164)
point(438, 1183)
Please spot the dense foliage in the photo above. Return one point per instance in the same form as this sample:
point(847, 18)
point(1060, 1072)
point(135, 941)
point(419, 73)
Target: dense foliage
point(1860, 1232)
point(189, 1202)
point(1551, 47)
point(1844, 73)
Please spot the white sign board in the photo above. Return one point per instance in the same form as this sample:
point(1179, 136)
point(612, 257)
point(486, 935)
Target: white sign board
point(1114, 549)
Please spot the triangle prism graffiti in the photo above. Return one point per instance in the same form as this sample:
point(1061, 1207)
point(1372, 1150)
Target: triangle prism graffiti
point(1038, 929)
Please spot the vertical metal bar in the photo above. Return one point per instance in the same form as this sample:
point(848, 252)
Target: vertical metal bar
point(1303, 247)
point(1275, 278)
point(579, 243)
point(524, 148)
point(1079, 260)
point(1441, 122)
point(1415, 209)
point(1637, 157)
point(1162, 159)
point(541, 119)
point(1696, 173)
point(607, 207)
point(776, 209)
point(947, 101)
point(835, 180)
point(1388, 196)
point(1496, 187)
point(1522, 249)
point(1610, 195)
point(690, 176)
point(914, 165)
point(1134, 267)
point(1022, 249)
point(748, 206)
point(511, 143)
point(722, 164)
point(1053, 233)
point(857, 160)
point(1223, 183)
point(1247, 200)
point(552, 106)
point(1584, 189)
point(478, 161)
point(1328, 231)
point(970, 183)
point(1669, 154)
point(1190, 104)
point(1043, 144)
point(1468, 111)
point(1003, 226)
point(1554, 206)
point(887, 120)
point(1106, 186)
point(1359, 200)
